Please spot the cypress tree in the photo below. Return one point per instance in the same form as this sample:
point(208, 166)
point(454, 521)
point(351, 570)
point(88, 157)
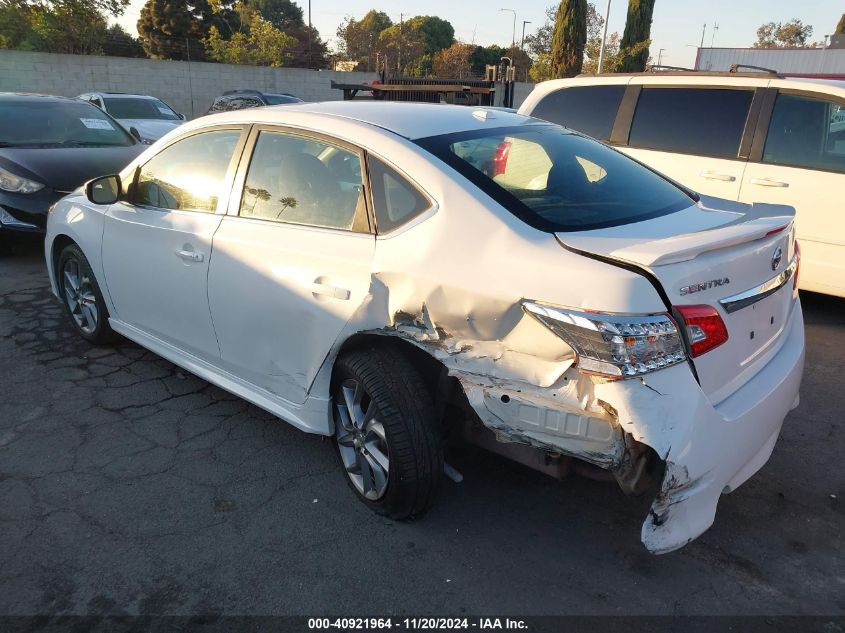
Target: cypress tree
point(569, 38)
point(635, 40)
point(840, 28)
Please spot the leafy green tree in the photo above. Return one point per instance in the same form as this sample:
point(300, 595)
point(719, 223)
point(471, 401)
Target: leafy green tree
point(173, 29)
point(259, 43)
point(792, 34)
point(287, 16)
point(840, 27)
point(438, 34)
point(541, 40)
point(484, 56)
point(16, 32)
point(454, 62)
point(283, 14)
point(402, 48)
point(637, 36)
point(612, 55)
point(118, 43)
point(569, 38)
point(359, 39)
point(70, 26)
point(58, 26)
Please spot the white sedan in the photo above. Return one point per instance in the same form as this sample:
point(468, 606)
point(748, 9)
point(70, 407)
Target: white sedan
point(395, 275)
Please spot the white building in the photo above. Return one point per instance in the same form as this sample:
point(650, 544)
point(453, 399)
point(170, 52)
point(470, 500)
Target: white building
point(826, 63)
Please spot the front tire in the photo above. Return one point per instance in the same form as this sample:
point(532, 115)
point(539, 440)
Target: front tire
point(386, 432)
point(82, 298)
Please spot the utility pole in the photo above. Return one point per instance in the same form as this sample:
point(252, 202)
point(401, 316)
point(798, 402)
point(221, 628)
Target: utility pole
point(703, 31)
point(660, 57)
point(310, 65)
point(513, 34)
point(604, 38)
point(713, 37)
point(522, 41)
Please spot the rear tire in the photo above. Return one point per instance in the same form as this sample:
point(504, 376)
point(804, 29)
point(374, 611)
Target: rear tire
point(385, 432)
point(80, 294)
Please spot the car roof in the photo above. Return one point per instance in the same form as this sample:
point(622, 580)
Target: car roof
point(758, 80)
point(410, 120)
point(123, 95)
point(29, 96)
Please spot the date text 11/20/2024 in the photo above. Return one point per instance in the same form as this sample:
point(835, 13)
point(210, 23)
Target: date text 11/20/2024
point(413, 624)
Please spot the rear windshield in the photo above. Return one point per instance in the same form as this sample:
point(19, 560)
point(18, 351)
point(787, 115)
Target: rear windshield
point(38, 123)
point(557, 180)
point(129, 108)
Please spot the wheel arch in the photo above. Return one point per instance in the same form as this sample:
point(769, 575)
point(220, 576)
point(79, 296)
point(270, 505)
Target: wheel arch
point(442, 387)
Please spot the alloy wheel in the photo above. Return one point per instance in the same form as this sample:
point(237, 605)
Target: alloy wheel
point(361, 440)
point(79, 296)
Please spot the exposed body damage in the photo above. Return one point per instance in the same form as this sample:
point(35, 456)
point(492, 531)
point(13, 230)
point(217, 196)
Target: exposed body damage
point(522, 383)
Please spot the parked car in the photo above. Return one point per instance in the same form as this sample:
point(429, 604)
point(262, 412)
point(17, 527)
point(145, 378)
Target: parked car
point(148, 118)
point(240, 99)
point(396, 282)
point(49, 146)
point(752, 137)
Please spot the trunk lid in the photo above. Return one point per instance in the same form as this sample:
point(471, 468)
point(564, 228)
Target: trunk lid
point(730, 256)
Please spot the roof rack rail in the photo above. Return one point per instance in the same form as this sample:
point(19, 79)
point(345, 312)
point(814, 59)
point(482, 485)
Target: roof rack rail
point(661, 68)
point(735, 69)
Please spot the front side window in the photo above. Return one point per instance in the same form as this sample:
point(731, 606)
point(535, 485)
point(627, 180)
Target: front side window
point(189, 175)
point(297, 180)
point(701, 121)
point(806, 132)
point(587, 109)
point(395, 199)
point(557, 180)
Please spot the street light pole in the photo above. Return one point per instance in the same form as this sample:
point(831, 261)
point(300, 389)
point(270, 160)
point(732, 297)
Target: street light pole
point(522, 41)
point(513, 34)
point(604, 38)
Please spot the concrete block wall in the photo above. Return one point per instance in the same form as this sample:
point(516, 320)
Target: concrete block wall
point(189, 87)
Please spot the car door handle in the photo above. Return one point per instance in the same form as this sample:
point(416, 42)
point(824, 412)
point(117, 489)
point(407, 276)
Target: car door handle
point(768, 182)
point(327, 290)
point(714, 175)
point(191, 256)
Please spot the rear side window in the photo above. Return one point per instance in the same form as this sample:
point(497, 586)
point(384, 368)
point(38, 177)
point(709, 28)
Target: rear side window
point(588, 109)
point(297, 180)
point(706, 122)
point(806, 132)
point(558, 180)
point(395, 199)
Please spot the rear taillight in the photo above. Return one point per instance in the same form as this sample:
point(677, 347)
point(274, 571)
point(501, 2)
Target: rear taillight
point(500, 160)
point(797, 267)
point(705, 328)
point(615, 346)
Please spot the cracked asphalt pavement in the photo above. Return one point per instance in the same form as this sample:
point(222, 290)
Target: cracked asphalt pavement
point(128, 486)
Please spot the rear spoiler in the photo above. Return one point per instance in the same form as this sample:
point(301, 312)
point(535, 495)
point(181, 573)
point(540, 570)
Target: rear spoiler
point(760, 221)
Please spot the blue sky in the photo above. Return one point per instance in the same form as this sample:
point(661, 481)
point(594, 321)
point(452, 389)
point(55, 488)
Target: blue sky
point(677, 23)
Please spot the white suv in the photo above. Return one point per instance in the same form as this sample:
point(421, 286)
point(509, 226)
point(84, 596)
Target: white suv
point(753, 137)
point(391, 275)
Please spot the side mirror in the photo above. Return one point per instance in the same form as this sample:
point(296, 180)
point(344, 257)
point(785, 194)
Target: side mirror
point(136, 134)
point(104, 190)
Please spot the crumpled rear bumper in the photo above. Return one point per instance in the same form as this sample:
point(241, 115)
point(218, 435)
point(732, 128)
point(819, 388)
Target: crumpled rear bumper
point(709, 450)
